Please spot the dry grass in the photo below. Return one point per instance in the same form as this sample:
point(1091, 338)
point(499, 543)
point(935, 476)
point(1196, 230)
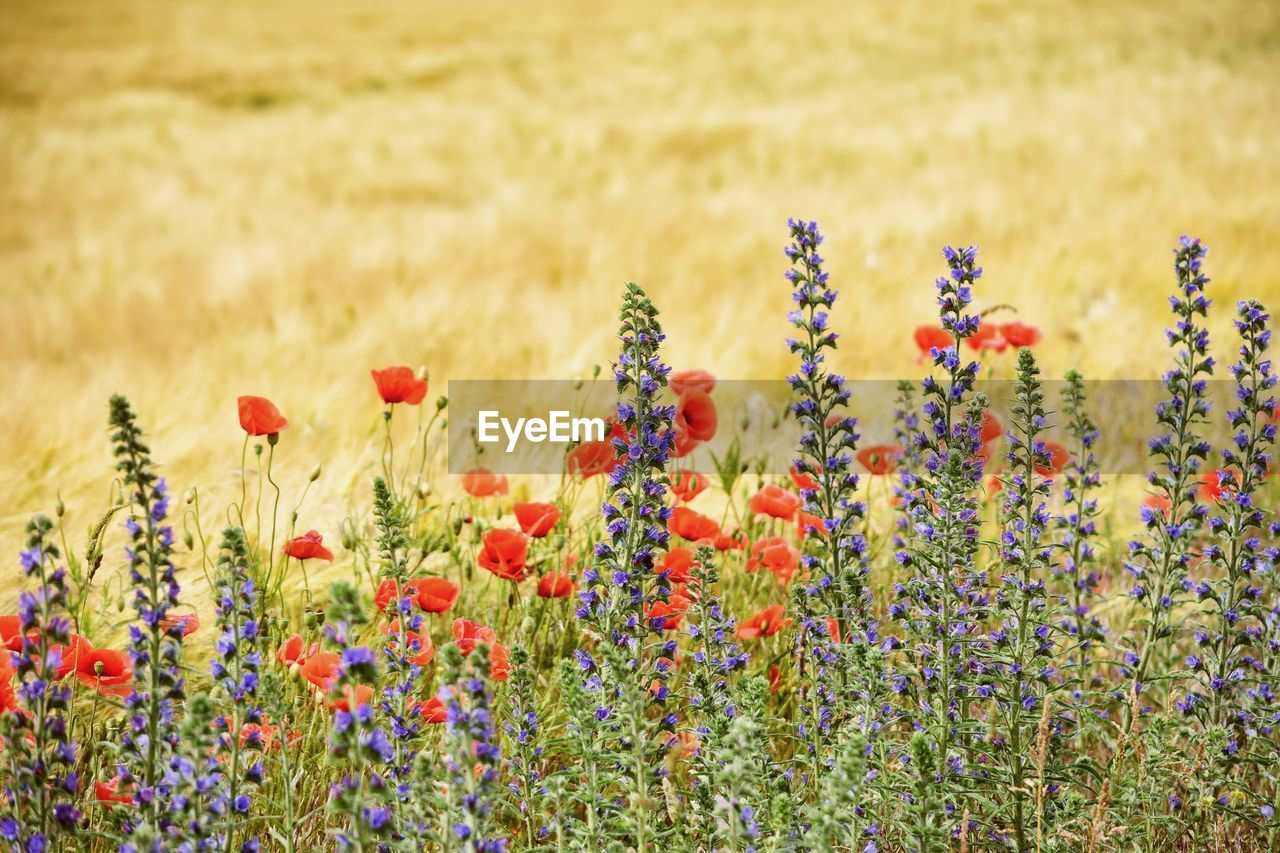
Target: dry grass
point(206, 199)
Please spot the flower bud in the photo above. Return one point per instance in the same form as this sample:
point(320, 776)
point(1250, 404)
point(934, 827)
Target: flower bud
point(315, 473)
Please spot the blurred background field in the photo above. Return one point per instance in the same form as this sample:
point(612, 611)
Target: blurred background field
point(200, 200)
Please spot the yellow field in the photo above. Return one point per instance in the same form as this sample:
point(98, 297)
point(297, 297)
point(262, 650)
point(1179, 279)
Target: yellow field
point(200, 199)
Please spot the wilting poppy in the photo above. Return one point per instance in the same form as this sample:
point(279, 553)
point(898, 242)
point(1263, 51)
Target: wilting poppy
point(259, 416)
point(555, 585)
point(483, 483)
point(106, 670)
point(929, 338)
point(677, 563)
point(684, 380)
point(879, 459)
point(504, 553)
point(803, 480)
point(308, 546)
point(109, 793)
point(186, 623)
point(687, 485)
point(399, 384)
point(1019, 334)
point(1058, 457)
point(766, 623)
point(776, 502)
point(321, 669)
point(987, 337)
point(436, 595)
point(421, 649)
point(592, 457)
point(692, 525)
point(433, 710)
point(294, 652)
point(537, 519)
point(776, 555)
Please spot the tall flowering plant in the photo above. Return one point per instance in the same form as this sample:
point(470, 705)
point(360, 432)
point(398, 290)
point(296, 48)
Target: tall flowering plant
point(1158, 563)
point(940, 604)
point(1226, 643)
point(42, 781)
point(155, 642)
point(625, 603)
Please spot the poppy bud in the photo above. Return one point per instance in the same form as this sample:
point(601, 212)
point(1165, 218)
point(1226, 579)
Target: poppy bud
point(457, 526)
point(595, 371)
point(188, 540)
point(423, 373)
point(315, 473)
point(348, 540)
point(558, 542)
point(526, 625)
point(189, 496)
point(273, 439)
point(424, 490)
point(257, 449)
point(441, 402)
point(61, 507)
point(577, 386)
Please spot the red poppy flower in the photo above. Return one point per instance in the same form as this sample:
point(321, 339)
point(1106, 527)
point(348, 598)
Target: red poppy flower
point(1212, 485)
point(555, 585)
point(685, 380)
point(677, 563)
point(504, 553)
point(483, 483)
point(308, 546)
point(696, 415)
point(833, 629)
point(803, 480)
point(259, 416)
point(687, 485)
point(499, 662)
point(467, 634)
point(106, 670)
point(1159, 503)
point(69, 655)
point(775, 679)
point(353, 696)
point(775, 554)
point(592, 457)
point(433, 710)
point(421, 649)
point(991, 427)
point(1058, 458)
point(730, 541)
point(295, 652)
point(987, 337)
point(776, 502)
point(663, 616)
point(928, 338)
point(537, 519)
point(399, 384)
point(11, 633)
point(692, 525)
point(436, 595)
point(808, 524)
point(8, 696)
point(187, 623)
point(110, 793)
point(879, 459)
point(766, 623)
point(321, 669)
point(1020, 334)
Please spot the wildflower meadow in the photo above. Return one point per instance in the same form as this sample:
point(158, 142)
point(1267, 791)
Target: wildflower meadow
point(967, 635)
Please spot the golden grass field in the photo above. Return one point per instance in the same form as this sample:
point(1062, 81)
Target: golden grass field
point(201, 199)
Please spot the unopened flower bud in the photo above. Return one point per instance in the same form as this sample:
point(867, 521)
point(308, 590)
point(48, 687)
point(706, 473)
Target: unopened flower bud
point(315, 473)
